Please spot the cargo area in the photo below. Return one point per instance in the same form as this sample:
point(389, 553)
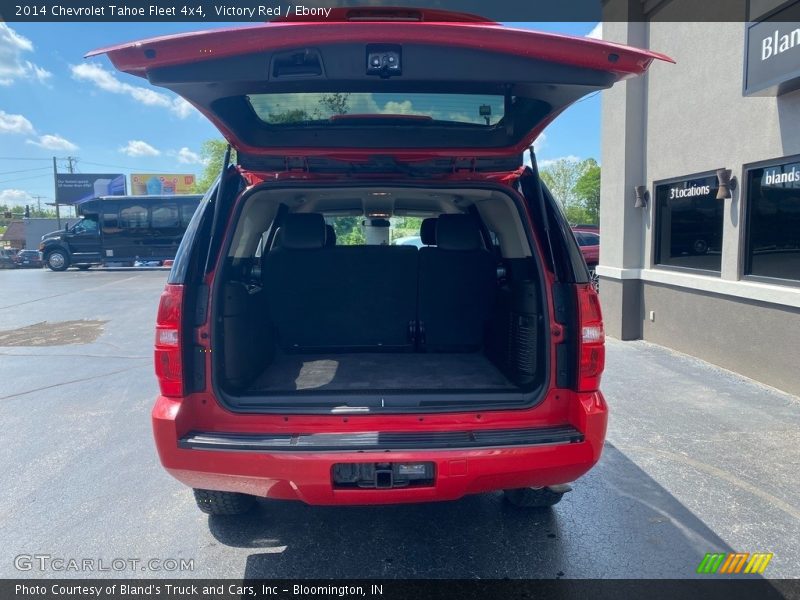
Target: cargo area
point(448, 317)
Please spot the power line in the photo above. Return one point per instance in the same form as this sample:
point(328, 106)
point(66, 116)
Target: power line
point(18, 158)
point(588, 97)
point(21, 179)
point(24, 170)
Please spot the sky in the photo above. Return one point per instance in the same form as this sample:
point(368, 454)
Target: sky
point(53, 102)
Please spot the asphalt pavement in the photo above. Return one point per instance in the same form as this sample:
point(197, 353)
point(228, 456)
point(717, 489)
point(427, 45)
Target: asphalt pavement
point(697, 460)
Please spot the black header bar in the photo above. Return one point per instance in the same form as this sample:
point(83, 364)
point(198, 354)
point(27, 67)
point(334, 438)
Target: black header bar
point(253, 11)
point(744, 588)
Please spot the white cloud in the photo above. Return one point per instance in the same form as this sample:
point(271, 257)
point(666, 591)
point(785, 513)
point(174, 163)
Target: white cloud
point(12, 64)
point(139, 148)
point(53, 142)
point(398, 108)
point(12, 196)
point(106, 81)
point(552, 161)
point(539, 143)
point(15, 124)
point(181, 107)
point(187, 157)
point(597, 32)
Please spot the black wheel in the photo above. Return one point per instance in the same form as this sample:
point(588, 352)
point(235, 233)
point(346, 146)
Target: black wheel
point(57, 260)
point(83, 267)
point(700, 247)
point(223, 503)
point(533, 497)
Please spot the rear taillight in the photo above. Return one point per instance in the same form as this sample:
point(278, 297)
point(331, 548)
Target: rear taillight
point(168, 362)
point(591, 339)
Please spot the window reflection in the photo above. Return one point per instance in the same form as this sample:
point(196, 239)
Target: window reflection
point(773, 224)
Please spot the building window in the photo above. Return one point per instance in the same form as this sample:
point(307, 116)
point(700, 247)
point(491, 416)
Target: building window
point(688, 223)
point(773, 221)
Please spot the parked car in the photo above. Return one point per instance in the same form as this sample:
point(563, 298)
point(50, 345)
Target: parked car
point(411, 240)
point(7, 259)
point(29, 259)
point(379, 374)
point(589, 243)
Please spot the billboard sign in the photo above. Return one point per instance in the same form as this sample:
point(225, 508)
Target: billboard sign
point(151, 184)
point(73, 188)
point(772, 53)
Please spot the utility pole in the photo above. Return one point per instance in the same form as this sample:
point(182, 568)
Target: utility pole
point(38, 203)
point(55, 186)
point(71, 160)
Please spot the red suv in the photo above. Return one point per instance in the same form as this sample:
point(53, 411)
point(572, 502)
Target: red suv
point(302, 356)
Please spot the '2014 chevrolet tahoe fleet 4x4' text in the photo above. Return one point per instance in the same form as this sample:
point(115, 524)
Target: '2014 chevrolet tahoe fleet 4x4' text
point(294, 365)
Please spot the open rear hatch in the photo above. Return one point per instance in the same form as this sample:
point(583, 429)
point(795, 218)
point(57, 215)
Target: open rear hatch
point(408, 84)
point(384, 89)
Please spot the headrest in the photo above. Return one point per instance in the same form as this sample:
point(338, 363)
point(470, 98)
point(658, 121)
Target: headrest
point(303, 231)
point(457, 232)
point(330, 236)
point(427, 231)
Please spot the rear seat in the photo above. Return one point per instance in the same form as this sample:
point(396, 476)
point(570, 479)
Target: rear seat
point(375, 306)
point(427, 231)
point(456, 286)
point(342, 297)
point(379, 298)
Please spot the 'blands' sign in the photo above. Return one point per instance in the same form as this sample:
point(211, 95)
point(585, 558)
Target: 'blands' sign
point(772, 54)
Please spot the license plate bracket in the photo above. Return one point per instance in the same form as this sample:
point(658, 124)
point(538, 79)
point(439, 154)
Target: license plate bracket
point(383, 475)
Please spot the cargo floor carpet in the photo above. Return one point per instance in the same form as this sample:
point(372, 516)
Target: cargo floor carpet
point(376, 371)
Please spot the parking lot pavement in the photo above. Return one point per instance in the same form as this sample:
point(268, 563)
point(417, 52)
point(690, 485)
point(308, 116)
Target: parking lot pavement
point(698, 460)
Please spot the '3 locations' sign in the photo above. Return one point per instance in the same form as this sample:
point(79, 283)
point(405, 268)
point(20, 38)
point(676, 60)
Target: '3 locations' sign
point(772, 53)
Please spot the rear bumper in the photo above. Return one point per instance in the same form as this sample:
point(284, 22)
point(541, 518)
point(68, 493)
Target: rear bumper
point(284, 467)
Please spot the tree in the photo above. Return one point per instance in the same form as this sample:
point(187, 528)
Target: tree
point(213, 153)
point(328, 104)
point(560, 177)
point(348, 231)
point(405, 226)
point(576, 185)
point(587, 189)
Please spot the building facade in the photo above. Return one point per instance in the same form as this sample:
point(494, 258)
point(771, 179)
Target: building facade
point(685, 266)
point(27, 233)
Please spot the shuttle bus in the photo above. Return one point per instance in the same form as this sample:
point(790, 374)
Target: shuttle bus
point(120, 229)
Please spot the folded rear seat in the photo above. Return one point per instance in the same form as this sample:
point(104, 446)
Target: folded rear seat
point(341, 298)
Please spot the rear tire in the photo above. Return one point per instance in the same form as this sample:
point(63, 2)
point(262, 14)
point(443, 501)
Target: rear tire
point(57, 260)
point(700, 247)
point(533, 497)
point(213, 502)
